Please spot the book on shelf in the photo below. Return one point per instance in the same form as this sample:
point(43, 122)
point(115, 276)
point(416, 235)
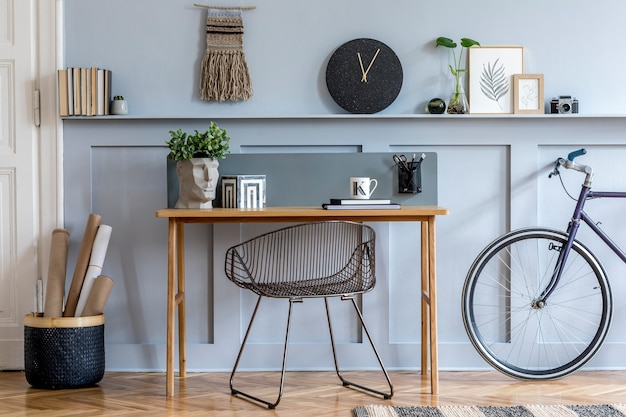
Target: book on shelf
point(63, 94)
point(70, 91)
point(107, 91)
point(390, 206)
point(76, 90)
point(93, 79)
point(99, 92)
point(89, 105)
point(354, 201)
point(84, 91)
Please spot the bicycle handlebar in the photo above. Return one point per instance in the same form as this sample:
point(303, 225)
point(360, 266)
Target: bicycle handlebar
point(575, 154)
point(570, 164)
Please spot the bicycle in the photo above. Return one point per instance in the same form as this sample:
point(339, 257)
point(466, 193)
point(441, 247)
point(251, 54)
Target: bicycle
point(537, 302)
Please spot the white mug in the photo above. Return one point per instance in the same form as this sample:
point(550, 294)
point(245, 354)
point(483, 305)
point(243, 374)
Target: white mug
point(362, 187)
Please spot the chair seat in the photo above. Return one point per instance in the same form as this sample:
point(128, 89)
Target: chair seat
point(308, 260)
point(321, 287)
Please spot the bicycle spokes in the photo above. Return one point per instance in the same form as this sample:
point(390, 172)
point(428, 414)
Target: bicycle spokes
point(514, 326)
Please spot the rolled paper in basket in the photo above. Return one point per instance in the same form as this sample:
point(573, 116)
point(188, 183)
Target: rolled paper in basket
point(81, 264)
point(98, 253)
point(98, 296)
point(57, 267)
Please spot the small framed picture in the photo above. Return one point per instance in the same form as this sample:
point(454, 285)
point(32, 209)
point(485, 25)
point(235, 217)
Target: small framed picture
point(491, 70)
point(528, 94)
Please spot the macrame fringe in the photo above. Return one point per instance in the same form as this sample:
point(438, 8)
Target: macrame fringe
point(225, 76)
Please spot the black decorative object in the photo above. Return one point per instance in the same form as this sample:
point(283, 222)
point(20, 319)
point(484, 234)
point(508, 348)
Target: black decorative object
point(409, 173)
point(364, 76)
point(436, 106)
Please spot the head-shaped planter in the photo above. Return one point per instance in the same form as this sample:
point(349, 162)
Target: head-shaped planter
point(197, 180)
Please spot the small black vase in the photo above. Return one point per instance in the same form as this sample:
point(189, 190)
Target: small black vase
point(436, 106)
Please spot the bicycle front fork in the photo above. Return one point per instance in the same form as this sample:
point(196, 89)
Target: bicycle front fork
point(540, 302)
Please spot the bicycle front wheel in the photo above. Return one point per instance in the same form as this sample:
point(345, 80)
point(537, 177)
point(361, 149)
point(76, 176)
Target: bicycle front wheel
point(529, 340)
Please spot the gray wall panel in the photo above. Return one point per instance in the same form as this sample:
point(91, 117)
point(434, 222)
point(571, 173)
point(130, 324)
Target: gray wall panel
point(494, 183)
point(156, 58)
point(310, 179)
point(491, 171)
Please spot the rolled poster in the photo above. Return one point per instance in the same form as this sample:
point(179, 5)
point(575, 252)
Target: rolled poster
point(81, 264)
point(98, 253)
point(57, 267)
point(98, 296)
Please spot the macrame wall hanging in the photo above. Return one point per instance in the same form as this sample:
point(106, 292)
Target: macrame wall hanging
point(224, 75)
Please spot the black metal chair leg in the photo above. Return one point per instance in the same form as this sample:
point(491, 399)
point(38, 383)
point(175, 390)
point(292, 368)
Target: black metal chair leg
point(233, 391)
point(345, 382)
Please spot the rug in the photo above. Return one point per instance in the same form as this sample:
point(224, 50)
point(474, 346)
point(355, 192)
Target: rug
point(605, 410)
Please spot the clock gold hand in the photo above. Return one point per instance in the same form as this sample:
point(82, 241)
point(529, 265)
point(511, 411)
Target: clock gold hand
point(364, 78)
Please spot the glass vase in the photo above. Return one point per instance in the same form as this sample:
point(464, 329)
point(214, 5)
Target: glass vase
point(458, 103)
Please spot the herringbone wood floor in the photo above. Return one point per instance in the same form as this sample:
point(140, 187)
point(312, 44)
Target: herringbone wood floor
point(306, 394)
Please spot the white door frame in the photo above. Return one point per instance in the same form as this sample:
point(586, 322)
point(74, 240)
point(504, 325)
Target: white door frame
point(40, 152)
point(50, 53)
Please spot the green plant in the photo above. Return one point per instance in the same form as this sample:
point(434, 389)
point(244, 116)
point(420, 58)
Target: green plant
point(118, 98)
point(456, 70)
point(214, 143)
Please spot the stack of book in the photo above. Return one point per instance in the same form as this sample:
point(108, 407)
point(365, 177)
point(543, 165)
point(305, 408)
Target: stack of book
point(356, 204)
point(84, 91)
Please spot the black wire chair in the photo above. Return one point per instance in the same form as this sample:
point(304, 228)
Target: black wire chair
point(312, 260)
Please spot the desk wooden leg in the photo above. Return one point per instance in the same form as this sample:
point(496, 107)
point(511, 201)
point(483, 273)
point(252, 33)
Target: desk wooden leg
point(429, 305)
point(425, 302)
point(180, 300)
point(171, 303)
point(434, 366)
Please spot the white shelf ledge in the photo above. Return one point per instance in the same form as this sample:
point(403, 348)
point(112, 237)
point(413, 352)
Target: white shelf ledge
point(348, 116)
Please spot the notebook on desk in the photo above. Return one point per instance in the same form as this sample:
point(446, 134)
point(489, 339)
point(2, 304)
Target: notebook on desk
point(390, 206)
point(355, 201)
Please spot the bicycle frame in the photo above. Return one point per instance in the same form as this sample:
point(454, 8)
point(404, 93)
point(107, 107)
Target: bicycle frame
point(572, 230)
point(537, 303)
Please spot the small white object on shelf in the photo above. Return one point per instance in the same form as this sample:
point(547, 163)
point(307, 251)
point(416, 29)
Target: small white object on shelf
point(119, 105)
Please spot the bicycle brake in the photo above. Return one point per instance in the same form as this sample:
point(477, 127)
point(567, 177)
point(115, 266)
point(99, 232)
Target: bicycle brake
point(555, 170)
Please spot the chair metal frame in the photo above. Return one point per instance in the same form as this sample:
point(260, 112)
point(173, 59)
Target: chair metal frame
point(310, 260)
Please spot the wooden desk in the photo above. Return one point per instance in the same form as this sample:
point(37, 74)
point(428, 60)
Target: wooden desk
point(176, 265)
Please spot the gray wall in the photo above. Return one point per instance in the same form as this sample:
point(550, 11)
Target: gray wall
point(154, 48)
point(492, 170)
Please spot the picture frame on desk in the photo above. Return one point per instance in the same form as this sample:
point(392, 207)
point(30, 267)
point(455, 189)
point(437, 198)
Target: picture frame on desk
point(528, 94)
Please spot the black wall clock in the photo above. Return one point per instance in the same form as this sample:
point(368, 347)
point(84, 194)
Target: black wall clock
point(364, 76)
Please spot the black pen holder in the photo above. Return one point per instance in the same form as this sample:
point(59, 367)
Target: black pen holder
point(410, 178)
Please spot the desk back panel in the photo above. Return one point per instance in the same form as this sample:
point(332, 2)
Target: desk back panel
point(310, 179)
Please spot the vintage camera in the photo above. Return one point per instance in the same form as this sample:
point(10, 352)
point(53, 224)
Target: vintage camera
point(564, 105)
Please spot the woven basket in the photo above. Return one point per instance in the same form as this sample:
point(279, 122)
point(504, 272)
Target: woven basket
point(65, 352)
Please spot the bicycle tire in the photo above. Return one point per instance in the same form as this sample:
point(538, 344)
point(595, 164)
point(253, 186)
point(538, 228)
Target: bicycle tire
point(527, 341)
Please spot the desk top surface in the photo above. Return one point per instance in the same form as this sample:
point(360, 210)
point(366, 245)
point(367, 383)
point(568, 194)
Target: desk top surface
point(292, 214)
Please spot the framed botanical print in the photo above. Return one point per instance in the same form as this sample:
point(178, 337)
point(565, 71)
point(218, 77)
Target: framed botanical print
point(528, 94)
point(491, 70)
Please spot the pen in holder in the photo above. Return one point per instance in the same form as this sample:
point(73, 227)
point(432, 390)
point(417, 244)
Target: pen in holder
point(410, 175)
